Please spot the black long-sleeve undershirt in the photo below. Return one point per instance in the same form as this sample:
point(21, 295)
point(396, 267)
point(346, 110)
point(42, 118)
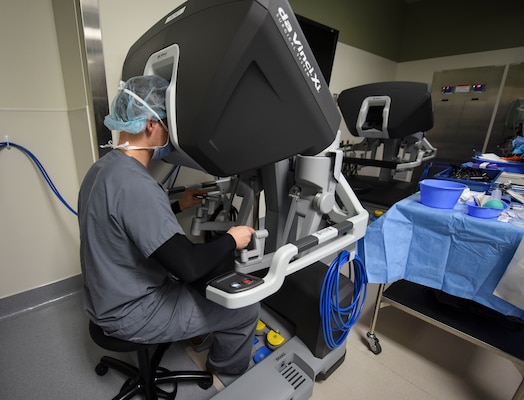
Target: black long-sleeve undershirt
point(191, 261)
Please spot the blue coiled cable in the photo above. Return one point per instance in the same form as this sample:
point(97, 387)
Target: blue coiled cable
point(335, 318)
point(42, 170)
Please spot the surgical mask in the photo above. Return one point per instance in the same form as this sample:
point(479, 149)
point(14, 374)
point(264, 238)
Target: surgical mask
point(160, 152)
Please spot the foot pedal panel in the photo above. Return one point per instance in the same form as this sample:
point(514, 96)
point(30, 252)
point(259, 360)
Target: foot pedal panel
point(276, 377)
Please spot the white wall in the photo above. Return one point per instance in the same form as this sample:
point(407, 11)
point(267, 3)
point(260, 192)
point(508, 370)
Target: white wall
point(422, 71)
point(354, 67)
point(122, 22)
point(38, 235)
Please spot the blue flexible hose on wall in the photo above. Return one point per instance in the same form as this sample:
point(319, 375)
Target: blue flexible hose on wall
point(8, 145)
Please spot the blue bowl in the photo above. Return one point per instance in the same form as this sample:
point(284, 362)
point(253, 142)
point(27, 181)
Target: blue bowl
point(484, 212)
point(439, 193)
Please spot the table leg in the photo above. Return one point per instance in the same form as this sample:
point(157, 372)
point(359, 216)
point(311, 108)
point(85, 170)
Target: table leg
point(373, 341)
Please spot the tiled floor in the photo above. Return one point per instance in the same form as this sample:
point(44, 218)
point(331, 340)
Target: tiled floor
point(418, 361)
point(46, 353)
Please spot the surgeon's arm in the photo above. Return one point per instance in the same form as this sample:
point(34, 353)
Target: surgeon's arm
point(189, 261)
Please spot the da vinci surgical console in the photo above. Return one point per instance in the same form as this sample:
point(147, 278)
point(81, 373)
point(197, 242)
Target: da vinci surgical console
point(248, 102)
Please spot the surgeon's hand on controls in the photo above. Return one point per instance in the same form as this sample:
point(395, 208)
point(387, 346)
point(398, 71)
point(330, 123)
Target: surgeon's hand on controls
point(191, 198)
point(242, 235)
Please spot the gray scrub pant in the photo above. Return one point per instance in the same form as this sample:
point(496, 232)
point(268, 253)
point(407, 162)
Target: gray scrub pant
point(185, 313)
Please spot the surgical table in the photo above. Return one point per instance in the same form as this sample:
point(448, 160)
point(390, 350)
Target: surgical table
point(446, 252)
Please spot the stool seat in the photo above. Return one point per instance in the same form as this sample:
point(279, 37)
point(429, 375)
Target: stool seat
point(113, 344)
point(145, 379)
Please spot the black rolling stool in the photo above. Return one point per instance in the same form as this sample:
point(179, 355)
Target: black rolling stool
point(146, 378)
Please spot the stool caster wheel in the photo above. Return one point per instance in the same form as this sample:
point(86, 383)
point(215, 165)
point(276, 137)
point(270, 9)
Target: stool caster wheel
point(101, 369)
point(206, 385)
point(373, 344)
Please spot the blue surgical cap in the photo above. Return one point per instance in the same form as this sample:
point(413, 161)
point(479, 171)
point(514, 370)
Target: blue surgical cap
point(139, 99)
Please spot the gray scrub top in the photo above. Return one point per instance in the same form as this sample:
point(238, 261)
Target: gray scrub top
point(124, 216)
